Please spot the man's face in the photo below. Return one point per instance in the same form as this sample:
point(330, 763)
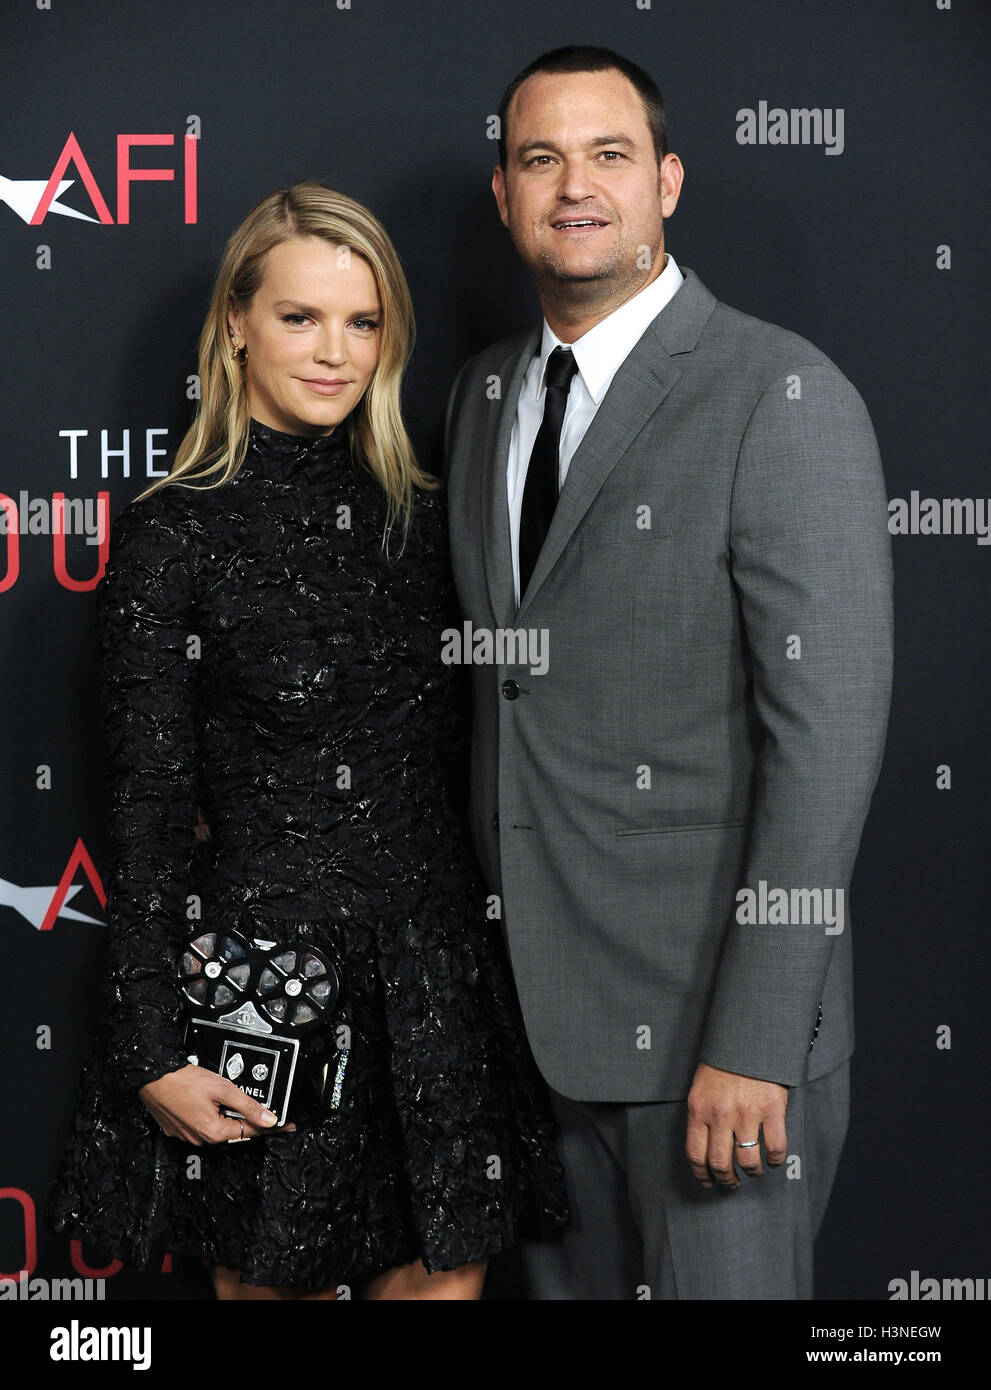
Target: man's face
point(582, 194)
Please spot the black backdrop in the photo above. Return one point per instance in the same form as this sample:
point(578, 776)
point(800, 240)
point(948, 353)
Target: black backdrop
point(873, 253)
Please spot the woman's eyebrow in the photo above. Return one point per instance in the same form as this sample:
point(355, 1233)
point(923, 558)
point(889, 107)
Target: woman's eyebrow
point(297, 305)
point(300, 308)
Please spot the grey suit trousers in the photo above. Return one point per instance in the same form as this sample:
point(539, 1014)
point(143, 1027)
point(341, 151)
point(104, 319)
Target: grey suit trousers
point(643, 1227)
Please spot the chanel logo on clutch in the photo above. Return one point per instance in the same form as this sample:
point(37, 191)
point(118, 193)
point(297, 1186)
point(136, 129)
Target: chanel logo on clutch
point(260, 1013)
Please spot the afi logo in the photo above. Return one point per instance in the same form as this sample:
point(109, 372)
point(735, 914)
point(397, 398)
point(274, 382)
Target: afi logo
point(33, 199)
point(41, 906)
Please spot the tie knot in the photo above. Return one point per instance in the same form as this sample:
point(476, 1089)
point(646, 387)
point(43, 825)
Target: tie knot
point(561, 367)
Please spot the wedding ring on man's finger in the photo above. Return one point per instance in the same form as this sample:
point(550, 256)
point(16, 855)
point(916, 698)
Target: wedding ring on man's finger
point(747, 1143)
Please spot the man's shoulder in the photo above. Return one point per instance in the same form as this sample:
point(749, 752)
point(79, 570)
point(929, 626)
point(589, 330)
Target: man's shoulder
point(728, 341)
point(750, 360)
point(766, 350)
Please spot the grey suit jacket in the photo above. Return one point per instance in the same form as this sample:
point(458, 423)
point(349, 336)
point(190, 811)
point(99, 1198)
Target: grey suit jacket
point(715, 596)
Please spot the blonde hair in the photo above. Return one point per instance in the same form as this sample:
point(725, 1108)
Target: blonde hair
point(216, 443)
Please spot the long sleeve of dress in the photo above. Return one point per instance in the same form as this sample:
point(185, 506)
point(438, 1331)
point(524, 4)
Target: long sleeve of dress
point(149, 668)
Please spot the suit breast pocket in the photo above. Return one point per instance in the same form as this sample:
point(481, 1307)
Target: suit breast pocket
point(616, 533)
point(616, 561)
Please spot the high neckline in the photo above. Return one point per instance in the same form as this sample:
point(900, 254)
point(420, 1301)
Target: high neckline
point(275, 441)
point(276, 453)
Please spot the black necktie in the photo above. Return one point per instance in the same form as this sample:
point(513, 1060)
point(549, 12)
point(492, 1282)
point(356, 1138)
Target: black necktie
point(540, 490)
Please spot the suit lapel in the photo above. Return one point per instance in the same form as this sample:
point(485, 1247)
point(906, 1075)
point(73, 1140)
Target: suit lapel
point(636, 392)
point(495, 530)
point(605, 442)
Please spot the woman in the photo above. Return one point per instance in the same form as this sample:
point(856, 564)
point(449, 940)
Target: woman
point(270, 627)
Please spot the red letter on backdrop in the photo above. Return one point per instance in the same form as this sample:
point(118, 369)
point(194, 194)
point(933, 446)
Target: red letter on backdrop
point(79, 856)
point(190, 177)
point(81, 1267)
point(72, 152)
point(58, 543)
point(17, 1194)
point(9, 507)
point(126, 175)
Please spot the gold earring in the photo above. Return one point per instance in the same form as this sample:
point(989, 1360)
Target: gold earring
point(237, 351)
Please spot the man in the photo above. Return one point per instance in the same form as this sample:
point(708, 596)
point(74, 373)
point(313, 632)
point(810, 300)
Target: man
point(669, 799)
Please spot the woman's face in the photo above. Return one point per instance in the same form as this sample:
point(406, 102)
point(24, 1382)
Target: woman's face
point(312, 334)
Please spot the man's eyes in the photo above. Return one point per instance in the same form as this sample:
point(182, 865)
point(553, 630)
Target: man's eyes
point(615, 155)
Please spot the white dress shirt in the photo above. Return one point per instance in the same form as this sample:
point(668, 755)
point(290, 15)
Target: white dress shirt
point(598, 353)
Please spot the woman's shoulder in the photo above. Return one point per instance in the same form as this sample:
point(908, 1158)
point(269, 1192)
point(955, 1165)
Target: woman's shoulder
point(155, 542)
point(168, 518)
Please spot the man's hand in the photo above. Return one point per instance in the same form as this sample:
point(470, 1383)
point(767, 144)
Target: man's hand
point(724, 1107)
point(186, 1103)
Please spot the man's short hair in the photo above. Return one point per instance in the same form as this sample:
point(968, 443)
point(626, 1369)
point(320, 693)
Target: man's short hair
point(588, 58)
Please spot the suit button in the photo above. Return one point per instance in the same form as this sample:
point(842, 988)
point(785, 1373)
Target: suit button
point(510, 689)
point(495, 821)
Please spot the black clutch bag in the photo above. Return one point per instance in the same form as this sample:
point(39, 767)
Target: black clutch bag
point(269, 1016)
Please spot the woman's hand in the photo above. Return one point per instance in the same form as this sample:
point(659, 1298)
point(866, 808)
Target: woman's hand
point(186, 1104)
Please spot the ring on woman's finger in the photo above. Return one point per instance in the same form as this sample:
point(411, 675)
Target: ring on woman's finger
point(242, 1137)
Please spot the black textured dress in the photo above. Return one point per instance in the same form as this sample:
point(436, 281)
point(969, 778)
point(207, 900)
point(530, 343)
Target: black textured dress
point(263, 659)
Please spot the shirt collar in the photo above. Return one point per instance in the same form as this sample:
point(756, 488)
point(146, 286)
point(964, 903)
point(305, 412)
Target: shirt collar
point(600, 351)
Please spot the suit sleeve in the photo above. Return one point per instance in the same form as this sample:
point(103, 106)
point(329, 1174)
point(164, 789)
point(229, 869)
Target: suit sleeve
point(453, 403)
point(811, 565)
point(144, 618)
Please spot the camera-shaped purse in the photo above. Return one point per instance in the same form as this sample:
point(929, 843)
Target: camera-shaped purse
point(265, 1014)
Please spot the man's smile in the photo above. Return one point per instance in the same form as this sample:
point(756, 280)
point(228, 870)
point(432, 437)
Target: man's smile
point(578, 224)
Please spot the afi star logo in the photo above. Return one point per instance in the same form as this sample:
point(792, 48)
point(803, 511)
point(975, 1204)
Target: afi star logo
point(41, 906)
point(34, 199)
